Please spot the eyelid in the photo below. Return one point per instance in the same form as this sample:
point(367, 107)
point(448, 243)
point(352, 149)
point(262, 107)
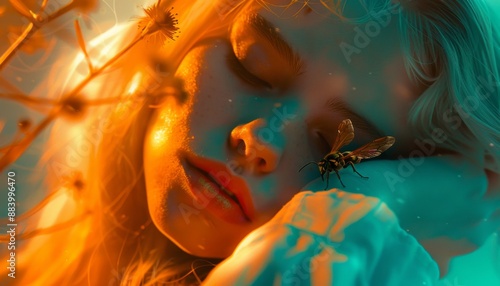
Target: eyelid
point(237, 67)
point(267, 31)
point(326, 145)
point(360, 123)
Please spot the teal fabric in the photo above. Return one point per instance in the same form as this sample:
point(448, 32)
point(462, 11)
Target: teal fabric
point(479, 268)
point(329, 238)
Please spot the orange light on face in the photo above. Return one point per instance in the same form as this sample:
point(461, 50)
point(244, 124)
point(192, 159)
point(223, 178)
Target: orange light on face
point(171, 126)
point(160, 136)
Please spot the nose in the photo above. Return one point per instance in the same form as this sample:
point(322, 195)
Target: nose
point(260, 147)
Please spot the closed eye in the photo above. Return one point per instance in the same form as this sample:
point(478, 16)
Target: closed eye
point(237, 68)
point(321, 146)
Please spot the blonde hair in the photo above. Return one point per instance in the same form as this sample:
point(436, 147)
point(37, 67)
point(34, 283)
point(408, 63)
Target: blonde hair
point(102, 234)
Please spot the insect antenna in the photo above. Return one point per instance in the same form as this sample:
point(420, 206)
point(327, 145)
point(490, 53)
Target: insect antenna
point(308, 165)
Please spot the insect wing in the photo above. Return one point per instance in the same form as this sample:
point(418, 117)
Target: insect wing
point(374, 148)
point(345, 134)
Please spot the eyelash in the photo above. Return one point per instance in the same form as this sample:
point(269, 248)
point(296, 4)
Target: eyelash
point(324, 144)
point(237, 67)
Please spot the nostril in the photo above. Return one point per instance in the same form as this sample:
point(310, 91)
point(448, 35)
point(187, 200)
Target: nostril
point(240, 147)
point(237, 144)
point(251, 151)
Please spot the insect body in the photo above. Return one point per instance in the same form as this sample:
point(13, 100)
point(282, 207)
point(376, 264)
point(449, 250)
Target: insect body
point(336, 160)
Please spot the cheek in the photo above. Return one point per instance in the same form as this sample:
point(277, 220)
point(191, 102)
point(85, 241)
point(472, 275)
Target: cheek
point(206, 80)
point(213, 103)
point(385, 97)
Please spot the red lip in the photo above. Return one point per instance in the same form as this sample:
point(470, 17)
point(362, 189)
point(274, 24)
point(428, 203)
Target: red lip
point(223, 176)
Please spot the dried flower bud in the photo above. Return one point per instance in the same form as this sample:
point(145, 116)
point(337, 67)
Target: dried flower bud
point(159, 22)
point(78, 184)
point(75, 183)
point(24, 125)
point(73, 107)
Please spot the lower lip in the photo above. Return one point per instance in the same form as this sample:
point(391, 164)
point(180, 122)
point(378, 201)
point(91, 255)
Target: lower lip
point(208, 195)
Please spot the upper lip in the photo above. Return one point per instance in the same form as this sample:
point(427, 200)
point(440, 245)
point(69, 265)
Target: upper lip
point(234, 185)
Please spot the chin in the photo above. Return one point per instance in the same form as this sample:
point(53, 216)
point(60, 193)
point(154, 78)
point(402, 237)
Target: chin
point(195, 231)
point(207, 247)
point(199, 237)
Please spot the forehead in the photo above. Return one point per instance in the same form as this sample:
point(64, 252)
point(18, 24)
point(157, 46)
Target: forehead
point(316, 34)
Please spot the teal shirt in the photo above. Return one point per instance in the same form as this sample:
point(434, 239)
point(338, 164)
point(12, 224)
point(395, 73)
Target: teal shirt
point(329, 238)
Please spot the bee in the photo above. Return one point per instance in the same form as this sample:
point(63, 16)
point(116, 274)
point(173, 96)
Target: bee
point(336, 160)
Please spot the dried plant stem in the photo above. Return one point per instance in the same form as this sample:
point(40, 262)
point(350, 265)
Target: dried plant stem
point(34, 209)
point(81, 43)
point(17, 149)
point(36, 22)
point(11, 51)
point(32, 102)
point(98, 71)
point(25, 99)
point(44, 3)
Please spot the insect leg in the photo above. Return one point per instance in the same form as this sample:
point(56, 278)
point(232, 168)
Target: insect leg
point(327, 180)
point(337, 172)
point(356, 171)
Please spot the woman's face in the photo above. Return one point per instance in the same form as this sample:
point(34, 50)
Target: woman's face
point(260, 103)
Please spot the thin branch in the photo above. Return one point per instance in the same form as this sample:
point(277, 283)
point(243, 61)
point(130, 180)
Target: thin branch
point(157, 20)
point(36, 22)
point(15, 151)
point(81, 43)
point(98, 71)
point(34, 209)
point(23, 10)
point(11, 51)
point(43, 5)
point(22, 98)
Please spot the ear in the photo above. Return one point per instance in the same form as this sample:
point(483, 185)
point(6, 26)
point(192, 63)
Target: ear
point(493, 183)
point(443, 249)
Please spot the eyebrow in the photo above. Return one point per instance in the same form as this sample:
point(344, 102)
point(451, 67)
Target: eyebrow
point(269, 32)
point(339, 106)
